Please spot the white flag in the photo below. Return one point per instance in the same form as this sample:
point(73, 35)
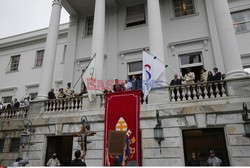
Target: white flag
point(89, 79)
point(152, 69)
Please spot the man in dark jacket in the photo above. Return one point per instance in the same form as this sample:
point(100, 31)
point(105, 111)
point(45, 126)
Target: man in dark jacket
point(193, 161)
point(217, 75)
point(51, 94)
point(117, 86)
point(175, 82)
point(78, 160)
point(16, 103)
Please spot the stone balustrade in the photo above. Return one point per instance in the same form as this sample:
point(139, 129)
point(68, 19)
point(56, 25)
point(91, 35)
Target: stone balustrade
point(198, 91)
point(14, 113)
point(68, 104)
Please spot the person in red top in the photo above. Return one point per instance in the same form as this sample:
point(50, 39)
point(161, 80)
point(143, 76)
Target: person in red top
point(117, 86)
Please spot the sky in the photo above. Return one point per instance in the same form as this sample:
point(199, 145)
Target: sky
point(20, 16)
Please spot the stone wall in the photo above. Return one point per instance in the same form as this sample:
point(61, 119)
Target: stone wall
point(215, 113)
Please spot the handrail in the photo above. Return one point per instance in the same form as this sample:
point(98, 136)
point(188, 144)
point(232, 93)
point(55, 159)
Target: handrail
point(14, 113)
point(200, 90)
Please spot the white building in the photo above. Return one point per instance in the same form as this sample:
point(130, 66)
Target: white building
point(182, 33)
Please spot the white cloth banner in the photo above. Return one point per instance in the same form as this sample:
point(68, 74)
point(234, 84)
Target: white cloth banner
point(152, 69)
point(89, 79)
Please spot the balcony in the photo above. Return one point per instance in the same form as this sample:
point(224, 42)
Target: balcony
point(14, 113)
point(170, 97)
point(198, 91)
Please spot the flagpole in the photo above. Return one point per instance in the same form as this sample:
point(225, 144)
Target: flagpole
point(144, 49)
point(83, 71)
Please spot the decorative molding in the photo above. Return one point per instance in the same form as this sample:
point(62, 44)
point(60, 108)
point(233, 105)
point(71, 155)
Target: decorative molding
point(173, 45)
point(205, 42)
point(173, 50)
point(8, 89)
point(122, 58)
point(188, 41)
point(82, 59)
point(245, 55)
point(132, 50)
point(31, 36)
point(32, 85)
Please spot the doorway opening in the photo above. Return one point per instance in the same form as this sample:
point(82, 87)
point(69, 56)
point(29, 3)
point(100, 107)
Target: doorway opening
point(201, 141)
point(196, 70)
point(62, 146)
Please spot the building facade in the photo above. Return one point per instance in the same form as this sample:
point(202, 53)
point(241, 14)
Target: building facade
point(182, 33)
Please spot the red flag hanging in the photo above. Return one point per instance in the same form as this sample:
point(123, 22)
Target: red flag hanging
point(122, 113)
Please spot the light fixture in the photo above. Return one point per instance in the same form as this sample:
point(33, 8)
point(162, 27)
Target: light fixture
point(245, 117)
point(158, 131)
point(25, 136)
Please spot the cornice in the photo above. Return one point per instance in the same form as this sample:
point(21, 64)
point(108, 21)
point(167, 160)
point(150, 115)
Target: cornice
point(36, 35)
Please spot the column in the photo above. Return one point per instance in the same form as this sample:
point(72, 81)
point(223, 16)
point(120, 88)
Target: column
point(99, 37)
point(227, 38)
point(50, 51)
point(155, 32)
point(70, 55)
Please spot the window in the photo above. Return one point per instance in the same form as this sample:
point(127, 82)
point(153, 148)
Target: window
point(135, 15)
point(32, 96)
point(89, 26)
point(135, 68)
point(191, 59)
point(241, 21)
point(6, 99)
point(64, 53)
point(183, 7)
point(39, 58)
point(14, 146)
point(14, 63)
point(1, 145)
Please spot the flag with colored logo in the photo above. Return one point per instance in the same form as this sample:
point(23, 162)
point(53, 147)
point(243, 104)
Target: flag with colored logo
point(122, 113)
point(90, 79)
point(152, 69)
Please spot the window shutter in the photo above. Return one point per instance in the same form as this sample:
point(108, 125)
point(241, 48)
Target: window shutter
point(135, 14)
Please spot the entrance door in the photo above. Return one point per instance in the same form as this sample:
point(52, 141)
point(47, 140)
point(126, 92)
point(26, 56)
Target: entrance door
point(62, 146)
point(202, 141)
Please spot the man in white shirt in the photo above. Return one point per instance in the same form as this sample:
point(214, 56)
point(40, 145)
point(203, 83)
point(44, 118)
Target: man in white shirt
point(128, 84)
point(53, 161)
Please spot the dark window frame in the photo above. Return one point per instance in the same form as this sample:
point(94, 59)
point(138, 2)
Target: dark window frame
point(14, 145)
point(182, 8)
point(139, 9)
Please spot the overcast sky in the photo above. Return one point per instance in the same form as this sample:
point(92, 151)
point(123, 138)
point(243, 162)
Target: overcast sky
point(20, 16)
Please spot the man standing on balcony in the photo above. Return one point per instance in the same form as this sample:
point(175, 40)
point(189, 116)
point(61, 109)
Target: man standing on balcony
point(217, 75)
point(16, 103)
point(189, 77)
point(69, 92)
point(51, 94)
point(175, 82)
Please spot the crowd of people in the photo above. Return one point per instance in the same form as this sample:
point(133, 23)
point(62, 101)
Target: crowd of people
point(205, 76)
point(68, 92)
point(15, 104)
point(119, 86)
point(212, 160)
point(189, 78)
point(130, 84)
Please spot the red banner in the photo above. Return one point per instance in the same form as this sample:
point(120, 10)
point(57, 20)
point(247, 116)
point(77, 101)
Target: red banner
point(122, 113)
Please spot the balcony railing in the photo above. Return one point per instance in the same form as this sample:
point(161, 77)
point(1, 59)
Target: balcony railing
point(14, 113)
point(198, 91)
point(74, 103)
